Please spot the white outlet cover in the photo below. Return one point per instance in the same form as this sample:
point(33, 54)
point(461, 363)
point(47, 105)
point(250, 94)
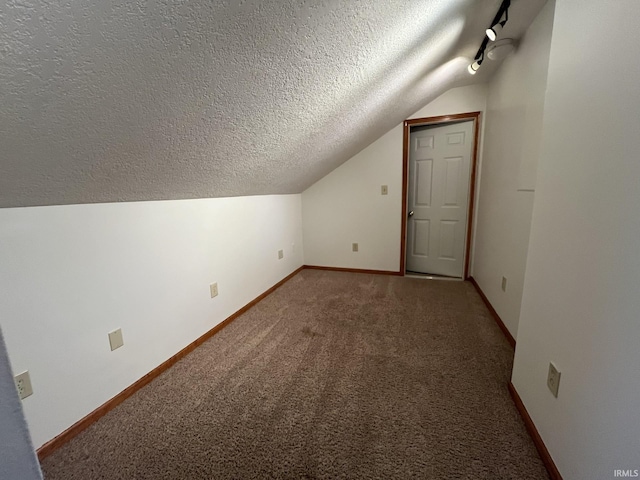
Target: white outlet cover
point(553, 379)
point(23, 384)
point(213, 288)
point(280, 254)
point(115, 339)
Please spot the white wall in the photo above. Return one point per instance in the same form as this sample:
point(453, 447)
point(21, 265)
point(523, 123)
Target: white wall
point(581, 306)
point(346, 205)
point(71, 274)
point(513, 127)
point(17, 456)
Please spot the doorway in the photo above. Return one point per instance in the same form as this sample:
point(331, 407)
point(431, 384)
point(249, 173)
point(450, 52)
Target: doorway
point(439, 166)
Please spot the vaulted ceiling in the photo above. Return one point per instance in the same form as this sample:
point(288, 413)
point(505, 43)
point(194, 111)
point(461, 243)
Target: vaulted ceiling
point(122, 100)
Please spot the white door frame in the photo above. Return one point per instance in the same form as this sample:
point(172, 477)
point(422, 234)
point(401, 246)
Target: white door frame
point(418, 122)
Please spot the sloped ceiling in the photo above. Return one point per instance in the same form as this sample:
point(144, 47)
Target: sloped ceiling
point(104, 101)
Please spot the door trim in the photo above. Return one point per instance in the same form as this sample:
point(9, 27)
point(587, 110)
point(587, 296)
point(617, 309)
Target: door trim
point(418, 122)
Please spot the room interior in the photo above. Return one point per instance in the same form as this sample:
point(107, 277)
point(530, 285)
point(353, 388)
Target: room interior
point(151, 150)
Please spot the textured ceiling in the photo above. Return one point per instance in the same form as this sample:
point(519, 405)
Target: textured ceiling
point(104, 101)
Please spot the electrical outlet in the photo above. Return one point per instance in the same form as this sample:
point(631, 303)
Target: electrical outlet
point(384, 190)
point(354, 247)
point(23, 384)
point(280, 254)
point(504, 284)
point(553, 379)
point(213, 288)
point(115, 339)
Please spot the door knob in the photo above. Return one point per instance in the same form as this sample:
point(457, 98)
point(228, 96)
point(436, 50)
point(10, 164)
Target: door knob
point(411, 213)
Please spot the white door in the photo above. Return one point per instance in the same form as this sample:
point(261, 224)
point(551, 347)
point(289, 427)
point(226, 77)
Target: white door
point(438, 201)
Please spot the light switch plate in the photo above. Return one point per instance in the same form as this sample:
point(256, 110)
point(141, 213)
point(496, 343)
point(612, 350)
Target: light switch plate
point(115, 339)
point(384, 190)
point(354, 247)
point(213, 288)
point(280, 254)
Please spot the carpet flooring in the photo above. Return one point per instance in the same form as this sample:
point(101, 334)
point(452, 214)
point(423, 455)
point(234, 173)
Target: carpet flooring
point(334, 375)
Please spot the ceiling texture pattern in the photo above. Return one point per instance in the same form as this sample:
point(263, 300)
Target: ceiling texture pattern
point(112, 100)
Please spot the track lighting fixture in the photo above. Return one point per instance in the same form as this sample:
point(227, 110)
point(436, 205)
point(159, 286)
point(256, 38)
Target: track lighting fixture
point(494, 31)
point(491, 35)
point(473, 68)
point(497, 26)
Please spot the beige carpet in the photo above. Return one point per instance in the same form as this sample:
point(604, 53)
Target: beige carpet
point(334, 375)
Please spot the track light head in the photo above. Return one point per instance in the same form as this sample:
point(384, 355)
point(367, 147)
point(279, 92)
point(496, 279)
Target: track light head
point(495, 30)
point(473, 68)
point(498, 24)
